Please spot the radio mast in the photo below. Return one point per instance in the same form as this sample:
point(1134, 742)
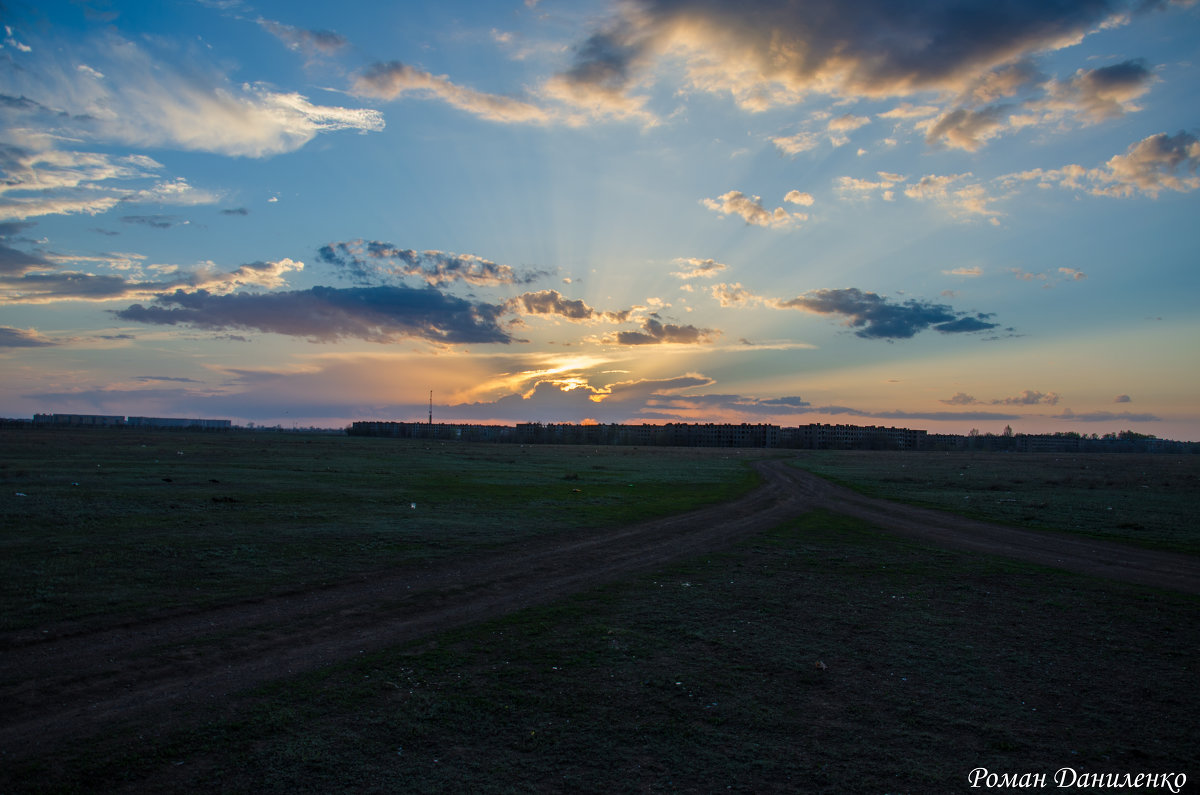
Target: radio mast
point(431, 408)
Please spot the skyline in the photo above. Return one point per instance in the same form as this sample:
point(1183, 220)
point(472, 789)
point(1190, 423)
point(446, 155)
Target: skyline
point(945, 215)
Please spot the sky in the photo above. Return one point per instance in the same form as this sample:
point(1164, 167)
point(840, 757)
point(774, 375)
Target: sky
point(938, 214)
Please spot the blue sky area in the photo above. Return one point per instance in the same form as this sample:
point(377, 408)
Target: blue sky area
point(946, 215)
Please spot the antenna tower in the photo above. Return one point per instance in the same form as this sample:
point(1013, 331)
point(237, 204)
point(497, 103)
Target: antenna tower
point(431, 407)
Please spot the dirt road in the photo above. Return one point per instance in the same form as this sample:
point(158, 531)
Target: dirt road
point(58, 688)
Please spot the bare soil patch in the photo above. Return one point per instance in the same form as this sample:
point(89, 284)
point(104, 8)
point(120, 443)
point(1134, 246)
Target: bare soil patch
point(57, 687)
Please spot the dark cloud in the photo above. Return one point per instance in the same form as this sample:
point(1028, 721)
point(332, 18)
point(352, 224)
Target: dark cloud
point(68, 286)
point(15, 263)
point(552, 302)
point(375, 262)
point(326, 314)
point(876, 47)
point(960, 399)
point(876, 318)
point(236, 211)
point(155, 221)
point(155, 378)
point(655, 332)
point(1105, 93)
point(309, 42)
point(938, 416)
point(1105, 416)
point(1122, 399)
point(19, 338)
point(1028, 397)
point(10, 229)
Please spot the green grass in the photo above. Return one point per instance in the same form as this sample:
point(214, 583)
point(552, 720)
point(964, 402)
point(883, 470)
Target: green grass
point(705, 677)
point(1145, 499)
point(104, 523)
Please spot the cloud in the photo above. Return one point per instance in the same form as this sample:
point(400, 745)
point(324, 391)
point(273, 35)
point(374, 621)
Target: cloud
point(728, 295)
point(164, 93)
point(309, 42)
point(235, 211)
point(967, 129)
point(326, 314)
point(797, 143)
point(1156, 163)
point(906, 110)
point(22, 338)
point(796, 197)
point(41, 280)
point(166, 378)
point(155, 221)
point(1097, 95)
point(1122, 399)
point(1050, 279)
point(840, 127)
point(1105, 416)
point(751, 210)
point(375, 262)
point(874, 316)
point(974, 270)
point(15, 262)
point(655, 332)
point(855, 187)
point(960, 399)
point(551, 302)
point(767, 54)
point(698, 268)
point(1028, 397)
point(877, 318)
point(394, 79)
point(41, 179)
point(962, 198)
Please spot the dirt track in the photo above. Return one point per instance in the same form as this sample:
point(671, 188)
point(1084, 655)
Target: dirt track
point(55, 689)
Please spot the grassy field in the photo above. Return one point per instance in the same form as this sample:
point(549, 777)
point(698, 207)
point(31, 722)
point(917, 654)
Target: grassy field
point(106, 522)
point(822, 657)
point(1146, 499)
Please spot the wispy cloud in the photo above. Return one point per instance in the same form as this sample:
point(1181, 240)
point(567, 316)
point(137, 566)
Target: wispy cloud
point(43, 279)
point(137, 93)
point(375, 262)
point(693, 268)
point(311, 43)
